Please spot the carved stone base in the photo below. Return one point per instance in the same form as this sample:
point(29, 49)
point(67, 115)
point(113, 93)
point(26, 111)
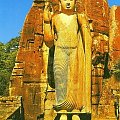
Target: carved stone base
point(49, 102)
point(63, 115)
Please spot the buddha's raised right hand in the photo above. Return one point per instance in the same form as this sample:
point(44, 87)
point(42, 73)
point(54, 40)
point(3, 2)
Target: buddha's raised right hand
point(47, 14)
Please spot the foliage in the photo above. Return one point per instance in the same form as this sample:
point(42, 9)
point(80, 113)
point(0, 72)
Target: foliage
point(116, 70)
point(7, 60)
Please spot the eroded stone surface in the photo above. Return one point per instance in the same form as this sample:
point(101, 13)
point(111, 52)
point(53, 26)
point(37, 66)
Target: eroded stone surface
point(29, 74)
point(115, 33)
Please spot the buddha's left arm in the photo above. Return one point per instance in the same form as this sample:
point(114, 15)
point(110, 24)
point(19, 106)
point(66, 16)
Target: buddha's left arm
point(86, 35)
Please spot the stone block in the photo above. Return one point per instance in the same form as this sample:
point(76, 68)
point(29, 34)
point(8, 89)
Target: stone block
point(94, 110)
point(32, 99)
point(39, 5)
point(106, 111)
point(49, 104)
point(16, 81)
point(33, 66)
point(75, 117)
point(94, 80)
point(28, 31)
point(19, 65)
point(63, 117)
point(43, 87)
point(15, 91)
point(95, 100)
point(17, 72)
point(39, 16)
point(98, 12)
point(38, 29)
point(49, 115)
point(50, 95)
point(80, 6)
point(95, 89)
point(20, 55)
point(38, 40)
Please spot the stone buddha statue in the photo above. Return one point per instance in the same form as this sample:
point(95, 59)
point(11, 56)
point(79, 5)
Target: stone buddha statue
point(69, 32)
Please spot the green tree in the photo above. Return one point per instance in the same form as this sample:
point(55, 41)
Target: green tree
point(8, 53)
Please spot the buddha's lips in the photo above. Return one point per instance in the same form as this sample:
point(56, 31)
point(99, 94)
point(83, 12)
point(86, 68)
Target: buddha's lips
point(68, 5)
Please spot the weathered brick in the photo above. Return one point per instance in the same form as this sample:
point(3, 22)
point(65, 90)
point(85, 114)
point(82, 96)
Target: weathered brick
point(115, 33)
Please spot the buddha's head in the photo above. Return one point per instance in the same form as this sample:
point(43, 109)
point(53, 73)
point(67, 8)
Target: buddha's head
point(67, 4)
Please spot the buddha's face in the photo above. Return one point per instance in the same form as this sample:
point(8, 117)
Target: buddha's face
point(68, 4)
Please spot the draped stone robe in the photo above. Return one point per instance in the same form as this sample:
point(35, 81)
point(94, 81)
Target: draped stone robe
point(72, 62)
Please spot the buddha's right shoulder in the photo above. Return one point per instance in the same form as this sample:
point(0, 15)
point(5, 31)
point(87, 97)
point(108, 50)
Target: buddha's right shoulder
point(55, 15)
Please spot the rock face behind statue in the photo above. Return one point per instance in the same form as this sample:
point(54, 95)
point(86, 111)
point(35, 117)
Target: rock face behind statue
point(29, 75)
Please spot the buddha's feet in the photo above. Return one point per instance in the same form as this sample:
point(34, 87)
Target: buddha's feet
point(66, 105)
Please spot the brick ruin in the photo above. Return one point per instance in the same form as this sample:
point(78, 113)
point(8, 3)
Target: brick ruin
point(29, 75)
point(11, 108)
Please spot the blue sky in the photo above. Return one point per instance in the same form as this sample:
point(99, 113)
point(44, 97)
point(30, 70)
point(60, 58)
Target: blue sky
point(12, 16)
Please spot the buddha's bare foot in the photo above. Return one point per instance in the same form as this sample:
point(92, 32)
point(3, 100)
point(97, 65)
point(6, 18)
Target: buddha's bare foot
point(66, 105)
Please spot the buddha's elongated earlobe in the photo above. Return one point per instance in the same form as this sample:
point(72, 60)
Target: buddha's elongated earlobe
point(60, 6)
point(75, 8)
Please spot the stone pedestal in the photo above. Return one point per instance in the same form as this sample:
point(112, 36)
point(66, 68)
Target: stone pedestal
point(49, 102)
point(63, 115)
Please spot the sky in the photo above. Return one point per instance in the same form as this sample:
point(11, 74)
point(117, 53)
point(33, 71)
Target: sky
point(12, 16)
